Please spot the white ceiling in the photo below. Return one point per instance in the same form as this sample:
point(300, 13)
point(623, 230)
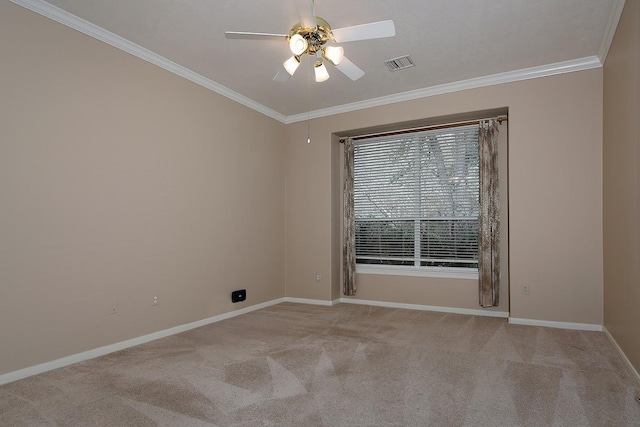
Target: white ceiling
point(455, 44)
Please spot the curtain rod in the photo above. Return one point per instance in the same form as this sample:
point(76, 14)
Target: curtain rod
point(499, 119)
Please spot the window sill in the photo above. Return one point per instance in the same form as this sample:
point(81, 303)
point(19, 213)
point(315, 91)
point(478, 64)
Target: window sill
point(443, 273)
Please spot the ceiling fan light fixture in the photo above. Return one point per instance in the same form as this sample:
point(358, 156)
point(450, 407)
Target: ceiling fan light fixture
point(292, 64)
point(298, 44)
point(311, 36)
point(321, 72)
point(335, 54)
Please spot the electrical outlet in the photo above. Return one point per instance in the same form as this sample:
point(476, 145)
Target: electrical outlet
point(526, 290)
point(154, 301)
point(113, 308)
point(318, 277)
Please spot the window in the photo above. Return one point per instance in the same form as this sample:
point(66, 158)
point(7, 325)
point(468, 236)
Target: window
point(416, 200)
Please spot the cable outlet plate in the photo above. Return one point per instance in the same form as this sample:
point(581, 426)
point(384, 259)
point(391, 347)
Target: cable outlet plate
point(239, 296)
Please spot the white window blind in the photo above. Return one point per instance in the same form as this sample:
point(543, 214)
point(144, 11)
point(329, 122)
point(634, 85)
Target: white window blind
point(416, 199)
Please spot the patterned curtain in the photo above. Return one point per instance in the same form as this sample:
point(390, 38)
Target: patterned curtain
point(349, 224)
point(489, 221)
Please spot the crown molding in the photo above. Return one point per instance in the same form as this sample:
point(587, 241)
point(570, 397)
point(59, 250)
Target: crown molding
point(63, 17)
point(610, 31)
point(43, 8)
point(494, 79)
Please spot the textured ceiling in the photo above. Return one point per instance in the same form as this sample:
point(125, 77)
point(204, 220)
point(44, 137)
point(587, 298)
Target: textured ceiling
point(450, 41)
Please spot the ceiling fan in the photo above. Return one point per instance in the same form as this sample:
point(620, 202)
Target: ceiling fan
point(314, 36)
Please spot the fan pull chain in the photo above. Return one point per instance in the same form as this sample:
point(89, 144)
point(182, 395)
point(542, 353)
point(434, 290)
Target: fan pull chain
point(308, 104)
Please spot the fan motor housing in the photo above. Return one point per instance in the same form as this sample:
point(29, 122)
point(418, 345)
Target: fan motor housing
point(315, 37)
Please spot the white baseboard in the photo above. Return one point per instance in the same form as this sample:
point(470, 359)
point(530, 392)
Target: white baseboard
point(309, 301)
point(455, 310)
point(623, 356)
point(101, 351)
point(111, 348)
point(559, 325)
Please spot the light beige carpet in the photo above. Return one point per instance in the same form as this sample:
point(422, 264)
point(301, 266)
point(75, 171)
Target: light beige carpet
point(347, 365)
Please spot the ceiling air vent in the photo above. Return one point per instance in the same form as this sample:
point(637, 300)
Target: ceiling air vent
point(399, 63)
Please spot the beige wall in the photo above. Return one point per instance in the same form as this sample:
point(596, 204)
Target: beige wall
point(555, 199)
point(622, 184)
point(120, 181)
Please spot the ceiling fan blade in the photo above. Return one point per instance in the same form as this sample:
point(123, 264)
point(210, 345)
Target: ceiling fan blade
point(252, 36)
point(307, 11)
point(373, 30)
point(350, 69)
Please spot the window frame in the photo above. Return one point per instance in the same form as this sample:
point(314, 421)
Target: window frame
point(412, 271)
point(418, 270)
